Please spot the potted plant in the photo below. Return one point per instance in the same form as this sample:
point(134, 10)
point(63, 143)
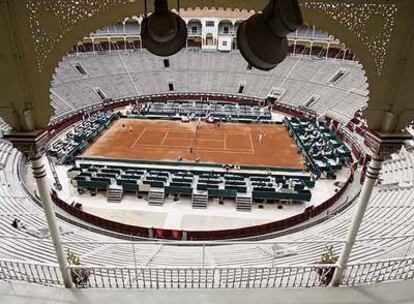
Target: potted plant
point(325, 274)
point(80, 276)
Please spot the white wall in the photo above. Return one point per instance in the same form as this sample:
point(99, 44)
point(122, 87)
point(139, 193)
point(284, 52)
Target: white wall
point(225, 43)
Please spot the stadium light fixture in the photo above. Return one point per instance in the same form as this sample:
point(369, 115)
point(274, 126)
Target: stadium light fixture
point(163, 33)
point(262, 38)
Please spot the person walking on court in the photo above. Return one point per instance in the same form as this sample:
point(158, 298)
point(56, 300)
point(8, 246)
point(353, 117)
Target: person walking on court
point(130, 129)
point(261, 137)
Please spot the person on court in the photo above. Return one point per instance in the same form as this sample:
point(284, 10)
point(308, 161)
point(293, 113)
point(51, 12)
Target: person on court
point(261, 137)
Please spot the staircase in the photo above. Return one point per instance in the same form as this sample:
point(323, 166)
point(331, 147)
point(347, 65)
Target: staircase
point(114, 193)
point(200, 199)
point(156, 197)
point(244, 202)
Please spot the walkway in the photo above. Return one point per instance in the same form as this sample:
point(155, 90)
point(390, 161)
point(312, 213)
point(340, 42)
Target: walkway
point(401, 292)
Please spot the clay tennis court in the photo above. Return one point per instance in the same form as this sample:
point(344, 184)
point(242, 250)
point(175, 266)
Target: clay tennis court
point(230, 143)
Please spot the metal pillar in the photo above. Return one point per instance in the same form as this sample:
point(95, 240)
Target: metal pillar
point(39, 173)
point(327, 51)
point(372, 174)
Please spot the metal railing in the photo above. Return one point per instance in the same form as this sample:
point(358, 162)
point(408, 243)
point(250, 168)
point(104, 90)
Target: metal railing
point(281, 276)
point(137, 272)
point(31, 272)
point(190, 278)
point(138, 254)
point(372, 272)
point(167, 278)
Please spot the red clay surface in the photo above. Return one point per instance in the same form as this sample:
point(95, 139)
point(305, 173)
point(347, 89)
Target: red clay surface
point(231, 143)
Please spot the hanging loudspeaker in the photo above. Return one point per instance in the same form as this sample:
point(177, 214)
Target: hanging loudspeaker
point(163, 33)
point(262, 38)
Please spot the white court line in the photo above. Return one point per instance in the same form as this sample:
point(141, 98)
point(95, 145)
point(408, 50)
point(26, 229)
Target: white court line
point(165, 137)
point(139, 137)
point(217, 140)
point(157, 129)
point(251, 143)
point(234, 151)
point(181, 138)
point(251, 150)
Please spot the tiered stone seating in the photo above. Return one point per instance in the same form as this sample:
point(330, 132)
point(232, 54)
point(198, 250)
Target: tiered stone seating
point(5, 151)
point(389, 213)
point(399, 168)
point(121, 75)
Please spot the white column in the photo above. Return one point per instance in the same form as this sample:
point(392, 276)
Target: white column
point(39, 173)
point(327, 51)
point(371, 176)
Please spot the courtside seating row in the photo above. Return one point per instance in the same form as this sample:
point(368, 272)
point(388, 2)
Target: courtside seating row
point(216, 110)
point(178, 182)
point(75, 141)
point(325, 151)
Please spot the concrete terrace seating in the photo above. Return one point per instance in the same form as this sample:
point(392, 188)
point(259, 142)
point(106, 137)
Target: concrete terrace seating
point(5, 151)
point(124, 74)
point(399, 168)
point(390, 213)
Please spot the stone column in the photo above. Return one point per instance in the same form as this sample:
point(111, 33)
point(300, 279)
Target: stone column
point(382, 146)
point(31, 145)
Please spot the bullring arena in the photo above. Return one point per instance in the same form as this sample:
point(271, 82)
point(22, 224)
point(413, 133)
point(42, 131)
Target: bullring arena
point(199, 170)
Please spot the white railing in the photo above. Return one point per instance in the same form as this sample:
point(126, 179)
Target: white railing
point(281, 276)
point(46, 274)
point(372, 272)
point(299, 276)
point(137, 254)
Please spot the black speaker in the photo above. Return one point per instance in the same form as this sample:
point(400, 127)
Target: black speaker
point(262, 38)
point(163, 33)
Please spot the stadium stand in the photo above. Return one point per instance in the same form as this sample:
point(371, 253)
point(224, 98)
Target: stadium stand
point(120, 75)
point(65, 150)
point(381, 236)
point(324, 151)
point(96, 177)
point(386, 212)
point(211, 111)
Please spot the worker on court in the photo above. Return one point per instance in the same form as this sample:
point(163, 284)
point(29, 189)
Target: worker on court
point(261, 137)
